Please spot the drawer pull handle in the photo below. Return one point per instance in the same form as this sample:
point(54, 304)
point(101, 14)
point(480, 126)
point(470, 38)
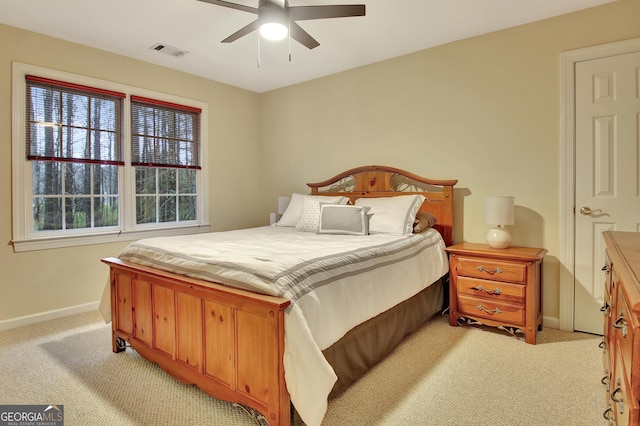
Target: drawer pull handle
point(620, 324)
point(618, 400)
point(490, 271)
point(604, 307)
point(613, 395)
point(605, 380)
point(607, 414)
point(497, 291)
point(489, 311)
point(602, 345)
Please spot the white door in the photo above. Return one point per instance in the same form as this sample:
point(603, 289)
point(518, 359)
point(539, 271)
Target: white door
point(607, 193)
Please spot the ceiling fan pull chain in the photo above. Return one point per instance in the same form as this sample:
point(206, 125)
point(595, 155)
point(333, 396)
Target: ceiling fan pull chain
point(258, 50)
point(289, 32)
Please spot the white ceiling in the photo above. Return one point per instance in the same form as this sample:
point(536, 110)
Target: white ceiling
point(389, 29)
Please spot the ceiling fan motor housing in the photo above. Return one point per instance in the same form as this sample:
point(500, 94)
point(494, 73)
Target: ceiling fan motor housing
point(271, 13)
point(279, 12)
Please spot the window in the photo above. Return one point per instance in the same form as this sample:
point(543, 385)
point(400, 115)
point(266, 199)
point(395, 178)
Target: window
point(165, 151)
point(74, 144)
point(94, 161)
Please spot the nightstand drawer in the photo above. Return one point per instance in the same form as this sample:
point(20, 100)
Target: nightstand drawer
point(481, 308)
point(492, 290)
point(491, 270)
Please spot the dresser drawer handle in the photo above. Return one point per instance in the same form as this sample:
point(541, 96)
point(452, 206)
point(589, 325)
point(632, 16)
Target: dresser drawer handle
point(490, 271)
point(620, 324)
point(615, 392)
point(604, 308)
point(605, 380)
point(607, 414)
point(489, 311)
point(497, 291)
point(618, 400)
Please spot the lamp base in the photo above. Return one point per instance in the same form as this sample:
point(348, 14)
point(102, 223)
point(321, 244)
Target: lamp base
point(499, 237)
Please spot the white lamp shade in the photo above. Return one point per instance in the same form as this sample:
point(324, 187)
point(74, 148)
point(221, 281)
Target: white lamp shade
point(499, 210)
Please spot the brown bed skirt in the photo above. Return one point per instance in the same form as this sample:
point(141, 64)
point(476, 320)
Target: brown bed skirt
point(368, 343)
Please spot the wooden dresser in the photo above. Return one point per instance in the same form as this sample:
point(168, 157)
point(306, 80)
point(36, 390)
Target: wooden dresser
point(621, 341)
point(496, 287)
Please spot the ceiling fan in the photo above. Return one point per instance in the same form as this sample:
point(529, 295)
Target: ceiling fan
point(280, 18)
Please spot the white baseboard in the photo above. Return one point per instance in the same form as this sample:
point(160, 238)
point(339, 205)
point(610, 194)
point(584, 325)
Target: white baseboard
point(47, 316)
point(551, 322)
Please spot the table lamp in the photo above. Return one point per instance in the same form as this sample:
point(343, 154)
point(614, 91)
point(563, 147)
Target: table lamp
point(499, 211)
point(283, 203)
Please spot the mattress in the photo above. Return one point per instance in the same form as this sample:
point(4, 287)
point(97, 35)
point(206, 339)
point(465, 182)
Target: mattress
point(334, 282)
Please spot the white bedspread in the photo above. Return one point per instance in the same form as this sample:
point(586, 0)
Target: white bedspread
point(335, 282)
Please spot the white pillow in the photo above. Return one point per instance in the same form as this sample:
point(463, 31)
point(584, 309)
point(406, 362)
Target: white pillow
point(341, 219)
point(392, 215)
point(292, 213)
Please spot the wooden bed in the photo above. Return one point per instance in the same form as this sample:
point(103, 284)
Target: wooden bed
point(228, 341)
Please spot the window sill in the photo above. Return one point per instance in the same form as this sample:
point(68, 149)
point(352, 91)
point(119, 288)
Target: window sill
point(112, 237)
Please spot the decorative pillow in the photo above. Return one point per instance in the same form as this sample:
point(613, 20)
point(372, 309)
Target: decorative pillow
point(423, 222)
point(309, 216)
point(342, 219)
point(292, 213)
point(392, 215)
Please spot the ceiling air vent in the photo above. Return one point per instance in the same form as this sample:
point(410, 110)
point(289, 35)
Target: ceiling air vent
point(169, 50)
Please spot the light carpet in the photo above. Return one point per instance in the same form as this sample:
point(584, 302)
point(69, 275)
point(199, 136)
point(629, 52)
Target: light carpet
point(440, 375)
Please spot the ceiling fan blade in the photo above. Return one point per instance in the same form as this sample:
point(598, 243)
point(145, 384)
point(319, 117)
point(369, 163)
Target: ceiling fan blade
point(302, 13)
point(242, 32)
point(301, 36)
point(232, 5)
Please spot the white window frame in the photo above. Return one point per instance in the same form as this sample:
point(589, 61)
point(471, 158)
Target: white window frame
point(25, 240)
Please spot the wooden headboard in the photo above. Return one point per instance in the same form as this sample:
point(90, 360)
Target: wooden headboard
point(382, 181)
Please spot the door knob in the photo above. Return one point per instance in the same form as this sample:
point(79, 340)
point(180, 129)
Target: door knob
point(585, 210)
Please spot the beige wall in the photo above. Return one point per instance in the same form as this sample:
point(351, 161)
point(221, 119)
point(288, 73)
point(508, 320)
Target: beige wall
point(41, 281)
point(484, 110)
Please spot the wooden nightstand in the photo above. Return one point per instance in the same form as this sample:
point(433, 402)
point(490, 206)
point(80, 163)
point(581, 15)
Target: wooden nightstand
point(496, 287)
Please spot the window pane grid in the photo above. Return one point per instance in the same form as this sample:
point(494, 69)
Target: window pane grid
point(160, 197)
point(73, 196)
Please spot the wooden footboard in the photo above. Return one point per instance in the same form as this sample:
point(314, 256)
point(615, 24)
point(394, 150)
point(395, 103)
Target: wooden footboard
point(227, 341)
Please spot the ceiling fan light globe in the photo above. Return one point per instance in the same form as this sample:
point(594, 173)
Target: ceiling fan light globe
point(273, 31)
